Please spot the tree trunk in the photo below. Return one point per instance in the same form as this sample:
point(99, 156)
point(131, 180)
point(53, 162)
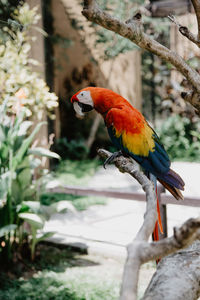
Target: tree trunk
point(177, 276)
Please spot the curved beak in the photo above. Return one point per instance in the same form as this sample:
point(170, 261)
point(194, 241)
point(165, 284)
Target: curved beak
point(80, 108)
point(74, 99)
point(77, 108)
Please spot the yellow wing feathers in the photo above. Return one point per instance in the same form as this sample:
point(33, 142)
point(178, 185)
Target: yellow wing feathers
point(139, 143)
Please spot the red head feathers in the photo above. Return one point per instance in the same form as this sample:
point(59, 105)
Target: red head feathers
point(100, 99)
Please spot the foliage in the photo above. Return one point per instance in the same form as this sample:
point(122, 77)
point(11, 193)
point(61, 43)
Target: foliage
point(7, 8)
point(73, 173)
point(113, 43)
point(63, 276)
point(16, 175)
point(155, 72)
point(155, 78)
point(18, 81)
point(35, 214)
point(79, 202)
point(31, 212)
point(74, 149)
point(181, 138)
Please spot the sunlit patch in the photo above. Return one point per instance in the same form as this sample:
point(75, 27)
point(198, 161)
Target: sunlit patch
point(3, 244)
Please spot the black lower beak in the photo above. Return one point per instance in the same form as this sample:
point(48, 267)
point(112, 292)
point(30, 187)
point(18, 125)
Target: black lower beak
point(85, 107)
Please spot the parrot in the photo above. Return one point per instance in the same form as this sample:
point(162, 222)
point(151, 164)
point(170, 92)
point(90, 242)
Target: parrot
point(133, 137)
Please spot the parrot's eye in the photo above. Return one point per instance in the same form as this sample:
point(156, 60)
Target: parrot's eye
point(84, 97)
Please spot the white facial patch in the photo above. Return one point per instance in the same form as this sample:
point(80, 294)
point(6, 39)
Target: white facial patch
point(85, 98)
point(78, 110)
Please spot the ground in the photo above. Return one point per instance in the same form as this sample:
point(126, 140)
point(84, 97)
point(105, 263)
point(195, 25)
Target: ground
point(64, 274)
point(101, 230)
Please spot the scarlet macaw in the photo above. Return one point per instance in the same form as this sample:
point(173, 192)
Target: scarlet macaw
point(132, 135)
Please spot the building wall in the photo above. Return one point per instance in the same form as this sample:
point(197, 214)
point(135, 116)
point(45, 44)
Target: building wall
point(80, 65)
point(123, 75)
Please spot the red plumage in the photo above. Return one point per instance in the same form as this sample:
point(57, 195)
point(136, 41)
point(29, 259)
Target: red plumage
point(130, 133)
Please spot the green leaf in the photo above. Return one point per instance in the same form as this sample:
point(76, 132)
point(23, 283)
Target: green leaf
point(3, 109)
point(34, 220)
point(22, 207)
point(29, 206)
point(24, 147)
point(7, 229)
point(17, 122)
point(46, 236)
point(40, 30)
point(43, 152)
point(2, 134)
point(35, 163)
point(24, 127)
point(4, 184)
point(62, 206)
point(34, 206)
point(58, 207)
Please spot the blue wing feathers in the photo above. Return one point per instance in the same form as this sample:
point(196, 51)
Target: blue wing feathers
point(157, 162)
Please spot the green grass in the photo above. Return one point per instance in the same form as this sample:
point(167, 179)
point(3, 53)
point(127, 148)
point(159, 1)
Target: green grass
point(75, 173)
point(50, 285)
point(62, 275)
point(79, 202)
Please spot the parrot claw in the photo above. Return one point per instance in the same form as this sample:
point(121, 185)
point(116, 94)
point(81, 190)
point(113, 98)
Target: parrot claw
point(111, 158)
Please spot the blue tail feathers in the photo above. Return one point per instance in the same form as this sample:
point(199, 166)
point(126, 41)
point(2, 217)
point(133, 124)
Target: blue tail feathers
point(173, 179)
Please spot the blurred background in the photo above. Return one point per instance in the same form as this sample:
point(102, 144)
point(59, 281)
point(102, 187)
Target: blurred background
point(79, 54)
point(72, 54)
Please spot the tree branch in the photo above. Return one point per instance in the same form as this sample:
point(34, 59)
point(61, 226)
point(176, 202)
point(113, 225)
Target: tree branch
point(196, 5)
point(193, 98)
point(133, 30)
point(185, 31)
point(177, 276)
point(140, 250)
point(133, 262)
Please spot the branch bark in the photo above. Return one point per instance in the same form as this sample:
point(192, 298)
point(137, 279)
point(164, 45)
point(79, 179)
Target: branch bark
point(177, 276)
point(196, 5)
point(193, 98)
point(132, 29)
point(141, 251)
point(185, 31)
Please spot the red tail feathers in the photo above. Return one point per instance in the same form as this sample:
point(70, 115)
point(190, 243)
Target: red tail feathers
point(158, 222)
point(159, 216)
point(155, 232)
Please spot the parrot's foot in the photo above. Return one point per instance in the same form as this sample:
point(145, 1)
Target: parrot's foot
point(111, 158)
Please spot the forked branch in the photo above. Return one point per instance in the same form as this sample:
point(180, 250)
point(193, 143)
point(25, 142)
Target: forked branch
point(185, 31)
point(133, 30)
point(140, 250)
